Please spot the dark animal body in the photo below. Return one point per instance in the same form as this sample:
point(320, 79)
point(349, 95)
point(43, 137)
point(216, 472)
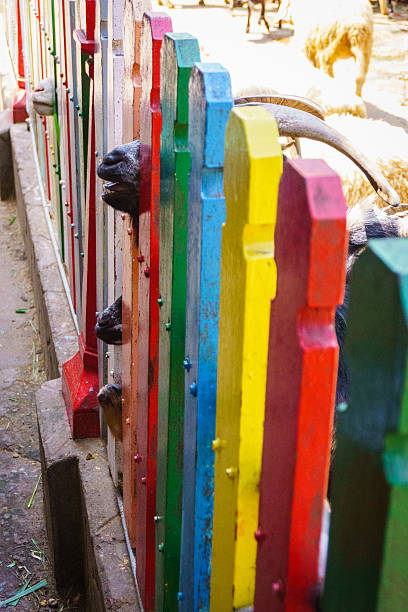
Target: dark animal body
point(110, 400)
point(121, 170)
point(373, 226)
point(108, 326)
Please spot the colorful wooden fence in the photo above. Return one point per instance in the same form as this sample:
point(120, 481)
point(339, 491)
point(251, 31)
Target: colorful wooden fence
point(231, 274)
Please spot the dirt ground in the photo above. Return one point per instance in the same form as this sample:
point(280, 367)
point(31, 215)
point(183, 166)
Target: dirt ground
point(23, 540)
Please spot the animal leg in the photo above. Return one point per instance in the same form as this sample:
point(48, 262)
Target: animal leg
point(262, 16)
point(326, 64)
point(249, 16)
point(362, 57)
point(383, 7)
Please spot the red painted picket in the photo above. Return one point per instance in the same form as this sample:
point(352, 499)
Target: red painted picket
point(311, 242)
point(80, 382)
point(154, 26)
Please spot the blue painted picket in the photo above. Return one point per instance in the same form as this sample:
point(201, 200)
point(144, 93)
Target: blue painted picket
point(210, 105)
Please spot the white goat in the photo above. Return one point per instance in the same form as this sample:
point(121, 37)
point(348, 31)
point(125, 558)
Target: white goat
point(330, 30)
point(386, 146)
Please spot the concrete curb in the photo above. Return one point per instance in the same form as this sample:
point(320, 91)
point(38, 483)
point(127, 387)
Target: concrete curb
point(84, 525)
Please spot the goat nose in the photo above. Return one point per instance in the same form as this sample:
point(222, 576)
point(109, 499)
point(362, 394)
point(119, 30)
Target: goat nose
point(113, 157)
point(103, 320)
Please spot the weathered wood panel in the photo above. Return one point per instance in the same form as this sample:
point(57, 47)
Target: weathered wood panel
point(310, 247)
point(132, 19)
point(115, 82)
point(102, 126)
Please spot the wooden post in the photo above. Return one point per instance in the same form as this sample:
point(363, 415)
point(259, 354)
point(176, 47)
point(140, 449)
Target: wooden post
point(131, 101)
point(253, 165)
point(368, 552)
point(115, 82)
point(310, 247)
point(19, 102)
point(80, 374)
point(102, 126)
point(210, 107)
point(68, 154)
point(154, 26)
point(178, 54)
point(75, 146)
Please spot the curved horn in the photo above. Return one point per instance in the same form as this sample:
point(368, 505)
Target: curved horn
point(299, 124)
point(303, 104)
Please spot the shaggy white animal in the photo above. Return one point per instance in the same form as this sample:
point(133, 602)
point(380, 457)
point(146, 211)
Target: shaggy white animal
point(329, 30)
point(43, 97)
point(383, 144)
point(307, 82)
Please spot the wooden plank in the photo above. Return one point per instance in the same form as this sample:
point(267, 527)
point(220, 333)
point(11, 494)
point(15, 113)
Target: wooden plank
point(383, 6)
point(100, 62)
point(210, 105)
point(154, 26)
point(81, 108)
point(80, 374)
point(253, 165)
point(68, 156)
point(72, 81)
point(57, 167)
point(178, 54)
point(368, 533)
point(115, 68)
point(311, 243)
point(130, 107)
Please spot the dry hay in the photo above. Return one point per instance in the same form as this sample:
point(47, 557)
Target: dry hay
point(384, 145)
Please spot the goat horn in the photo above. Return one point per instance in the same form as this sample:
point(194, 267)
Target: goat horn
point(297, 123)
point(303, 104)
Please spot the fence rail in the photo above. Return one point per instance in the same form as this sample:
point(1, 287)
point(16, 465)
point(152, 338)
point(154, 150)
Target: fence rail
point(231, 271)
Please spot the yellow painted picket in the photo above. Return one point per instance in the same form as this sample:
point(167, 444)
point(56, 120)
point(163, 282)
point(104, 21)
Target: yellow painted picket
point(253, 166)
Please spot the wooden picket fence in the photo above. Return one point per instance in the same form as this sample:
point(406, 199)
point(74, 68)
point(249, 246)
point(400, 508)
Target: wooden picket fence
point(230, 282)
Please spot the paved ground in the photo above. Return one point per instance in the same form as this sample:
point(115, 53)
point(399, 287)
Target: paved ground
point(274, 60)
point(23, 541)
